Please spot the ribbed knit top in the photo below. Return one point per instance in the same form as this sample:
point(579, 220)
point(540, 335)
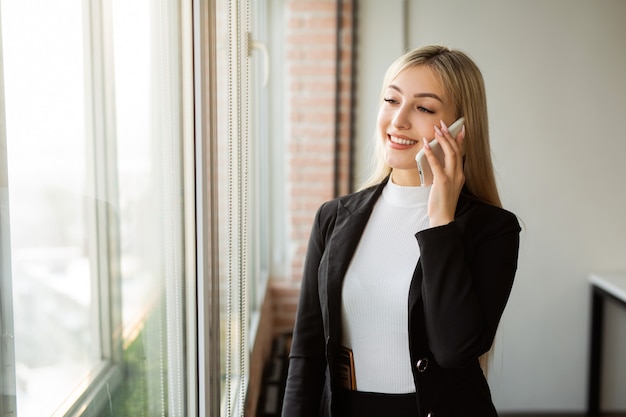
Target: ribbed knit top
point(375, 292)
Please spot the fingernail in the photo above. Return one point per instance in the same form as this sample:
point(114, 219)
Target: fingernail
point(438, 131)
point(463, 132)
point(443, 126)
point(426, 144)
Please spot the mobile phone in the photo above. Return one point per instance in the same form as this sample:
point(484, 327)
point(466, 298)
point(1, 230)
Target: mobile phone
point(423, 167)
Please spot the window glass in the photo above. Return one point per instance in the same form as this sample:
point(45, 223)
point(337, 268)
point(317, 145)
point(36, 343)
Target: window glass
point(137, 163)
point(148, 137)
point(51, 202)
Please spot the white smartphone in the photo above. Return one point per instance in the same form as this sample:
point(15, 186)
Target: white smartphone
point(423, 167)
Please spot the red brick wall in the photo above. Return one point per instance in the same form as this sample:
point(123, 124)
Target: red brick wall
point(319, 95)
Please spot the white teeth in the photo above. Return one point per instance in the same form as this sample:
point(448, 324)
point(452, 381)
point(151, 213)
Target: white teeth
point(401, 141)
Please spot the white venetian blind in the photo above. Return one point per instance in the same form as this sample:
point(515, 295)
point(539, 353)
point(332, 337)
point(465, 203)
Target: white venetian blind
point(233, 190)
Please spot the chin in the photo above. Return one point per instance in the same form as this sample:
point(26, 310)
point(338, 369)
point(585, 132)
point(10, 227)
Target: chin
point(401, 163)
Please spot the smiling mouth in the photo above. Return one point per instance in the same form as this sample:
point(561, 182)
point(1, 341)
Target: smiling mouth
point(401, 141)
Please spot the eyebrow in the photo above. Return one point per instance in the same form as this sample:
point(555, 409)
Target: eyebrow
point(417, 95)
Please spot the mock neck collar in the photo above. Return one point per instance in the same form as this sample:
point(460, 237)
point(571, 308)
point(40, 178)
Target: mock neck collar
point(403, 196)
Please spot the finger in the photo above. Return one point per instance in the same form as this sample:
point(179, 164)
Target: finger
point(454, 141)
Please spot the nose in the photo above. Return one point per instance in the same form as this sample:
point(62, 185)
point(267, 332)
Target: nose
point(401, 118)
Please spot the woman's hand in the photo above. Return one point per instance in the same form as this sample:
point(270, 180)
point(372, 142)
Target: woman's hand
point(447, 180)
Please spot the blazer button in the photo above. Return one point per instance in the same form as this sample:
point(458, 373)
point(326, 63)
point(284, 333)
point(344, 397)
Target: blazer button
point(422, 365)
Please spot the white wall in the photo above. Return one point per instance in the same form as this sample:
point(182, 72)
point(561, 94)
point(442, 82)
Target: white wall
point(554, 72)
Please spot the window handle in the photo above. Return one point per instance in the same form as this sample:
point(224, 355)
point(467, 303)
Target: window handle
point(262, 47)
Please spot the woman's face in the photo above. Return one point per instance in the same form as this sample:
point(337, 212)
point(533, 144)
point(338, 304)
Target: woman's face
point(414, 103)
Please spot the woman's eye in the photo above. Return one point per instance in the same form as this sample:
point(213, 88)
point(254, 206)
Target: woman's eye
point(390, 101)
point(424, 109)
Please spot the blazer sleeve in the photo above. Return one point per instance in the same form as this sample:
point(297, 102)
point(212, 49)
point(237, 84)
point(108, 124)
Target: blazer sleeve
point(468, 269)
point(307, 360)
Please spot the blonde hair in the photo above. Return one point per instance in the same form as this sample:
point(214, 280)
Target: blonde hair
point(463, 84)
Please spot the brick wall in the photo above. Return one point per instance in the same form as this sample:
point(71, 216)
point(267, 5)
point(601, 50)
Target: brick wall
point(319, 95)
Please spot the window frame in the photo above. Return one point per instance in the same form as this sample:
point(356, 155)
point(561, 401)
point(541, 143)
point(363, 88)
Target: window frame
point(93, 392)
point(207, 227)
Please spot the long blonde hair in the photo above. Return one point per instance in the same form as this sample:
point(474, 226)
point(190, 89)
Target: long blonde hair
point(463, 83)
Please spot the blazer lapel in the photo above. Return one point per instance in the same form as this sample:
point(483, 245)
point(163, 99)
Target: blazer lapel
point(353, 212)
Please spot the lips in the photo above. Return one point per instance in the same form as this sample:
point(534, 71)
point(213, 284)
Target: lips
point(402, 141)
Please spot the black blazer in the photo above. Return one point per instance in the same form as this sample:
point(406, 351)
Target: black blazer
point(458, 292)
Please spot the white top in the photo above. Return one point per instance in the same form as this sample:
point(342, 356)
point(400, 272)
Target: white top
point(614, 284)
point(376, 291)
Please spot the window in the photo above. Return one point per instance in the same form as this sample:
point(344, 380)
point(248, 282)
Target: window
point(134, 205)
point(95, 231)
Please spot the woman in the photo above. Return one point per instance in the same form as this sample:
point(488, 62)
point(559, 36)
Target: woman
point(404, 283)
